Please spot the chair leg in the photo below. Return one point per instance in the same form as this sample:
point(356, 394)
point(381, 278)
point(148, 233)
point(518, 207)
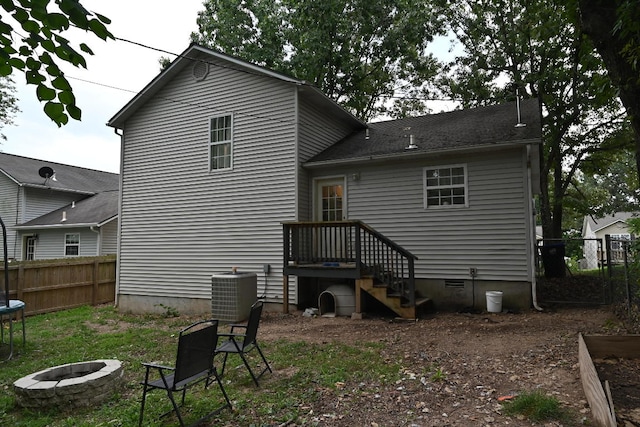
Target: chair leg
point(224, 364)
point(176, 408)
point(246, 363)
point(224, 392)
point(264, 359)
point(144, 398)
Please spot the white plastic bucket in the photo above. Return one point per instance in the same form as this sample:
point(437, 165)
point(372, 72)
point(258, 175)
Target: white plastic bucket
point(494, 301)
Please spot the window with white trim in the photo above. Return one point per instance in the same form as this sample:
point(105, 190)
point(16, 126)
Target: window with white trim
point(617, 241)
point(445, 186)
point(220, 142)
point(72, 244)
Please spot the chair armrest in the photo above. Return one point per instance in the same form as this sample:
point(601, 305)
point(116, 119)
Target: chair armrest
point(156, 366)
point(237, 325)
point(231, 335)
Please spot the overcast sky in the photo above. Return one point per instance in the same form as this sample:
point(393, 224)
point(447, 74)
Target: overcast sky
point(162, 24)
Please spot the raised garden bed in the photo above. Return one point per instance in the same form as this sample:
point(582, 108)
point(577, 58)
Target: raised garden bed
point(610, 373)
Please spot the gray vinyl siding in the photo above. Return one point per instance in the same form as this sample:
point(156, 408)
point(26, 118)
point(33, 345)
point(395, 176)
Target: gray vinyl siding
point(51, 243)
point(109, 238)
point(490, 234)
point(181, 223)
point(317, 131)
point(9, 195)
point(39, 202)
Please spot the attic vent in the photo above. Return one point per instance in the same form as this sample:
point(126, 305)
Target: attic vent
point(454, 283)
point(200, 70)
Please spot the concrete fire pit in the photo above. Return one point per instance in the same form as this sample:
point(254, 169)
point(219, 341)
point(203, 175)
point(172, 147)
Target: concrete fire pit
point(70, 386)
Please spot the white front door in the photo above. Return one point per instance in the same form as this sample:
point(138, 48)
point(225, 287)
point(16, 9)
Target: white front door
point(329, 200)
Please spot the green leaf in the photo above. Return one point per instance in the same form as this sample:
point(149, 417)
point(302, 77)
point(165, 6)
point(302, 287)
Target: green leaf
point(53, 71)
point(55, 111)
point(17, 63)
point(5, 70)
point(45, 93)
point(102, 18)
point(34, 77)
point(61, 83)
point(74, 112)
point(21, 15)
point(85, 48)
point(99, 29)
point(58, 21)
point(33, 64)
point(66, 97)
point(31, 27)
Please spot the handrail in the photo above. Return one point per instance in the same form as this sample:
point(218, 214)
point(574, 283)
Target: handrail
point(351, 244)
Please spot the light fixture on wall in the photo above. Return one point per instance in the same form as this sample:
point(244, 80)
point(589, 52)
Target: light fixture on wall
point(355, 176)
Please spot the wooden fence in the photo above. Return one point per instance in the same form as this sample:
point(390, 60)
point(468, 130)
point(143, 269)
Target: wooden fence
point(47, 286)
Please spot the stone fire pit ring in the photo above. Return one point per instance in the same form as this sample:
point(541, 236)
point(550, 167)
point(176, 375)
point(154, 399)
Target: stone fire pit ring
point(73, 385)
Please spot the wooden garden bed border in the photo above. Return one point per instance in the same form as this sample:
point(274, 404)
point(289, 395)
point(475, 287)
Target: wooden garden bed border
point(599, 347)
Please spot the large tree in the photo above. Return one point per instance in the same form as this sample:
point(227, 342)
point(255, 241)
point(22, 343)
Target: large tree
point(535, 48)
point(614, 26)
point(8, 103)
point(32, 41)
point(361, 53)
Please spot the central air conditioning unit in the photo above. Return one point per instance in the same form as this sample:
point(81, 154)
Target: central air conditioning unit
point(232, 295)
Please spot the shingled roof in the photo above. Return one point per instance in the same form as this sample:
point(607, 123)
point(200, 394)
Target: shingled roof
point(455, 130)
point(92, 211)
point(24, 171)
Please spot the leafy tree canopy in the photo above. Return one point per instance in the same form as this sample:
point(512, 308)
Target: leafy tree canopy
point(537, 48)
point(8, 103)
point(32, 42)
point(361, 53)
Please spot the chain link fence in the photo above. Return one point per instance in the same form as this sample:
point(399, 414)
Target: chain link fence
point(623, 274)
point(591, 272)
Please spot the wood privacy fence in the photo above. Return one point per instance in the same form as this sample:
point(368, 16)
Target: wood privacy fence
point(54, 285)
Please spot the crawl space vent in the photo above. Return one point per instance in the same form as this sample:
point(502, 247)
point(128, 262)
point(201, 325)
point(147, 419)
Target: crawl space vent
point(454, 283)
point(200, 70)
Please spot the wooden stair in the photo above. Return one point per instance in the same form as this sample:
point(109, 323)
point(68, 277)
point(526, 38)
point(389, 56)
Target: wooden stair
point(393, 301)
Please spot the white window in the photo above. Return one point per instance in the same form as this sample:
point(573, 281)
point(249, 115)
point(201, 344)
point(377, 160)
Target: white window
point(220, 142)
point(30, 250)
point(72, 244)
point(445, 186)
point(617, 239)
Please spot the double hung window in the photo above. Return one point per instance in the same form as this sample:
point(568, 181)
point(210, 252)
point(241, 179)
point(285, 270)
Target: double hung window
point(221, 142)
point(445, 186)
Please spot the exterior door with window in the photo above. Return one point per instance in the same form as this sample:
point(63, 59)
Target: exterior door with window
point(329, 200)
point(329, 206)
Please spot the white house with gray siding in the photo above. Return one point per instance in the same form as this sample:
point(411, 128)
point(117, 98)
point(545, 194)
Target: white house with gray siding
point(72, 213)
point(218, 154)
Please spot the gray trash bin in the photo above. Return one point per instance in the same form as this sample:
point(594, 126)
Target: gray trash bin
point(232, 295)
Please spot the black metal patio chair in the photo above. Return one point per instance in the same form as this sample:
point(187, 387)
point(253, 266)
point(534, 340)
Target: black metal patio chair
point(194, 364)
point(243, 343)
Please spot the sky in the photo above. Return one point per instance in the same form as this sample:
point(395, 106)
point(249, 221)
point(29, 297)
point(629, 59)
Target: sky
point(118, 71)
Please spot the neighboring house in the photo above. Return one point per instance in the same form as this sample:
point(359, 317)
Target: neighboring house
point(221, 158)
point(52, 210)
point(594, 231)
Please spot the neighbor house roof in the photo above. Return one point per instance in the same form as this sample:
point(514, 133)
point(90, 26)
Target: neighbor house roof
point(196, 53)
point(597, 224)
point(24, 171)
point(95, 211)
point(468, 129)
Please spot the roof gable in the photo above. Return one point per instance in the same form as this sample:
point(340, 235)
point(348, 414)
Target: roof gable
point(455, 130)
point(199, 54)
point(597, 224)
point(24, 171)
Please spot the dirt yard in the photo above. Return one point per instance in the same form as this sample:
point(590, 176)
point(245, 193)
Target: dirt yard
point(480, 358)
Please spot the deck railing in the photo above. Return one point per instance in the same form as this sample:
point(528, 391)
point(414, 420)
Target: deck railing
point(349, 249)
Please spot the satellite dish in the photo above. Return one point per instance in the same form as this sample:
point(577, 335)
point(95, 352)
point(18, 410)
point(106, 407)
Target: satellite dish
point(46, 172)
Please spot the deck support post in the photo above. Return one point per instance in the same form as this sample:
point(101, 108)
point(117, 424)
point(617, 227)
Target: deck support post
point(285, 294)
point(358, 296)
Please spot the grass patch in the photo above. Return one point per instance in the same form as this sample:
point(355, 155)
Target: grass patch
point(537, 407)
point(302, 371)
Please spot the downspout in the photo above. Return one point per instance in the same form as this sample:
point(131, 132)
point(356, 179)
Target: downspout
point(99, 239)
point(118, 238)
point(532, 233)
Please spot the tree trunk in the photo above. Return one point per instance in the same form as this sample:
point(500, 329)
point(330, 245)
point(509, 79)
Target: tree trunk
point(598, 19)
